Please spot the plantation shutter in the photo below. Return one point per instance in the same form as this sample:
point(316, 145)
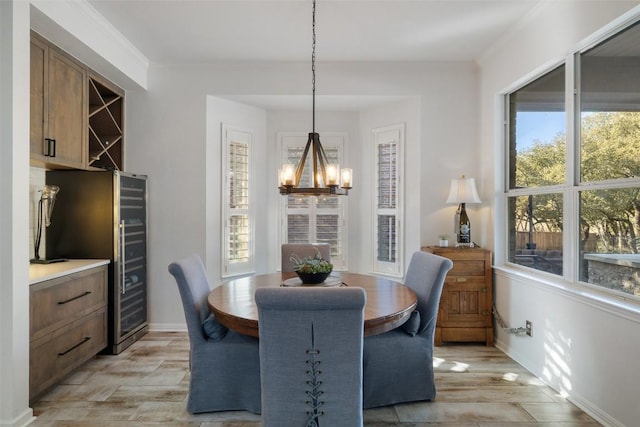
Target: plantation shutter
point(237, 216)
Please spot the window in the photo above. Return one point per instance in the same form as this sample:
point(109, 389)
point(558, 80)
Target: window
point(388, 142)
point(609, 165)
point(587, 185)
point(537, 156)
point(238, 230)
point(314, 219)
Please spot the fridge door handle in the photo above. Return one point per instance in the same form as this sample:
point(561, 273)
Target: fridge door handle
point(122, 258)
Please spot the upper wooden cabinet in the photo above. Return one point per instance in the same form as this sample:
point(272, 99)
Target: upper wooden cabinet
point(76, 115)
point(58, 108)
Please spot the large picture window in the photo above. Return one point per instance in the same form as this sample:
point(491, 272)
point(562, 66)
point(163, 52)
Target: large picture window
point(585, 181)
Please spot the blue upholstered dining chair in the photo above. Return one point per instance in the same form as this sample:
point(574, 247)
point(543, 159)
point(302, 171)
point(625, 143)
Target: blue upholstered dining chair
point(302, 250)
point(311, 356)
point(398, 365)
point(225, 365)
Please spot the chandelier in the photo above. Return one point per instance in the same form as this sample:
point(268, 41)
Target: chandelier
point(328, 179)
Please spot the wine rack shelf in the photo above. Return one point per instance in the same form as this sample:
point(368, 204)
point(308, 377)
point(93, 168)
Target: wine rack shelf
point(106, 136)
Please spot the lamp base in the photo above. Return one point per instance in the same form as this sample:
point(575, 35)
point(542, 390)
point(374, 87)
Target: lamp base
point(47, 261)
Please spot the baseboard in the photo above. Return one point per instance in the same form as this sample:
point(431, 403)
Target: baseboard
point(22, 420)
point(584, 404)
point(167, 327)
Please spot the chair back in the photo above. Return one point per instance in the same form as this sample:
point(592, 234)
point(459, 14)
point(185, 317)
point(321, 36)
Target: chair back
point(193, 285)
point(425, 276)
point(311, 356)
point(303, 250)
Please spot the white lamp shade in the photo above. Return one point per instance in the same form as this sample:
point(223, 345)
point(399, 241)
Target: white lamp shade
point(463, 190)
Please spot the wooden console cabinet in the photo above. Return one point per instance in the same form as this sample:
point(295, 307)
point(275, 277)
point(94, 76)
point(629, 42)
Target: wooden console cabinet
point(68, 325)
point(465, 313)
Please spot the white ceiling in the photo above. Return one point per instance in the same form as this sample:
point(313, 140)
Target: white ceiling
point(206, 31)
point(209, 31)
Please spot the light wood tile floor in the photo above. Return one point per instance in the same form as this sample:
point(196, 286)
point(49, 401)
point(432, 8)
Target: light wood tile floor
point(147, 385)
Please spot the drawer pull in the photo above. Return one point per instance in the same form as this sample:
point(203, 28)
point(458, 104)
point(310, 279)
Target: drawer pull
point(74, 298)
point(461, 279)
point(75, 346)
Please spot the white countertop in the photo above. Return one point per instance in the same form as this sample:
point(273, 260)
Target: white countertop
point(41, 272)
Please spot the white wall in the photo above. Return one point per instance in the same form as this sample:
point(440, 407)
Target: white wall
point(167, 132)
point(168, 136)
point(253, 119)
point(14, 214)
point(173, 136)
point(416, 158)
point(584, 346)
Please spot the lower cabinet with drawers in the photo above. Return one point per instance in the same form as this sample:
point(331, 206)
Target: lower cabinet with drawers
point(68, 325)
point(465, 312)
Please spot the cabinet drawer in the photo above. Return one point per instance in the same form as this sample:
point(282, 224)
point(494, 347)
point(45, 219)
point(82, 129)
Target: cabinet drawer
point(59, 301)
point(468, 268)
point(55, 356)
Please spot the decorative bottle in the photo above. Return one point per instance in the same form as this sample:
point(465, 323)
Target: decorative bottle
point(464, 227)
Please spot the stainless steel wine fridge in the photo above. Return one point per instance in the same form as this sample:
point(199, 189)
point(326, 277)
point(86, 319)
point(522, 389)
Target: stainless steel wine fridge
point(103, 214)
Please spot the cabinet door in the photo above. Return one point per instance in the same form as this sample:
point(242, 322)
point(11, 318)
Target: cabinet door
point(464, 304)
point(67, 110)
point(39, 69)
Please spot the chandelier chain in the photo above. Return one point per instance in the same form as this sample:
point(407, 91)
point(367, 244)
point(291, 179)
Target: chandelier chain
point(327, 178)
point(313, 66)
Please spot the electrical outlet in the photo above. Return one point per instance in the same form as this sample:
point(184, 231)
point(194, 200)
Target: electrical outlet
point(529, 327)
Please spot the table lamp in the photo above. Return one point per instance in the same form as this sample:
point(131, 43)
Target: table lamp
point(463, 191)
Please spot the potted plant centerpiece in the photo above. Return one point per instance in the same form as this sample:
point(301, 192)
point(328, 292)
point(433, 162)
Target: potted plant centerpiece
point(312, 269)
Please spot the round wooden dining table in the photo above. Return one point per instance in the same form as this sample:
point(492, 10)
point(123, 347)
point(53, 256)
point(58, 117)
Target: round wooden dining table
point(389, 303)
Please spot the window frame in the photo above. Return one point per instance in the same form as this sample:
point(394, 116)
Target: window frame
point(384, 135)
point(573, 186)
point(233, 134)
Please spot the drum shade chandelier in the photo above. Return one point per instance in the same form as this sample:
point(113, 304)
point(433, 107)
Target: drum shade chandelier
point(328, 179)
